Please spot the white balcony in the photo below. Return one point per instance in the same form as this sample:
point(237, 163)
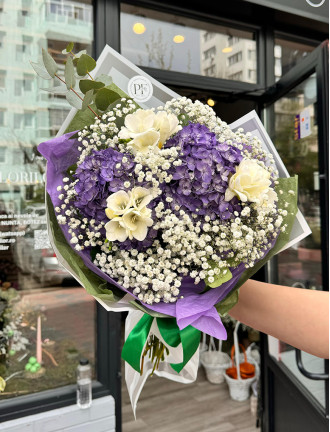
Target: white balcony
point(68, 19)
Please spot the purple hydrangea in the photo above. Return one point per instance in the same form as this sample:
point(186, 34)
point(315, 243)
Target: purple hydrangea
point(202, 179)
point(102, 173)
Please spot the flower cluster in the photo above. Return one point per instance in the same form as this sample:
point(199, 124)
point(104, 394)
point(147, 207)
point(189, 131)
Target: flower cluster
point(202, 177)
point(162, 194)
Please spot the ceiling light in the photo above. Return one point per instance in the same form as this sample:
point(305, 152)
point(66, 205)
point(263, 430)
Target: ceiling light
point(210, 102)
point(139, 28)
point(178, 38)
point(227, 50)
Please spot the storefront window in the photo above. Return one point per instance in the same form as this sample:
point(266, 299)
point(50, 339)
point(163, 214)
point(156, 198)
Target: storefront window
point(300, 266)
point(287, 54)
point(170, 42)
point(44, 314)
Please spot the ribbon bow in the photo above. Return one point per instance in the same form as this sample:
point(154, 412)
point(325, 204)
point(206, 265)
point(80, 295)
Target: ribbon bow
point(189, 337)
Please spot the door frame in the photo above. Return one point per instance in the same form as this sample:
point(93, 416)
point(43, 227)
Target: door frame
point(271, 370)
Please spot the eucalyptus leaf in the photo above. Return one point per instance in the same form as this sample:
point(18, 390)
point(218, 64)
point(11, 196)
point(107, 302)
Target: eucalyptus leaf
point(49, 63)
point(105, 97)
point(39, 70)
point(69, 47)
point(70, 79)
point(86, 84)
point(106, 79)
point(73, 100)
point(61, 89)
point(88, 99)
point(85, 64)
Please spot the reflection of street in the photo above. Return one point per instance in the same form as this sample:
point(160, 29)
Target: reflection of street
point(69, 315)
point(37, 263)
point(300, 266)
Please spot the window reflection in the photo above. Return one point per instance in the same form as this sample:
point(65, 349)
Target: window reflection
point(33, 285)
point(287, 54)
point(300, 266)
point(170, 42)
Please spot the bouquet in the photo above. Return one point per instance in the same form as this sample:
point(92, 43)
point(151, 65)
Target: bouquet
point(164, 212)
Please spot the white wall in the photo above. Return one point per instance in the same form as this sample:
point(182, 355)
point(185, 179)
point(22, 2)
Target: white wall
point(100, 417)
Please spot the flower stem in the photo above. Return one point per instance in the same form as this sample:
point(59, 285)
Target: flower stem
point(91, 109)
point(156, 350)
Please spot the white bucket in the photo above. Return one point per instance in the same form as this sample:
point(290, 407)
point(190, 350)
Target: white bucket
point(239, 389)
point(215, 363)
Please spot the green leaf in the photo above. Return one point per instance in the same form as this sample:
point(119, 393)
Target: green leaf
point(69, 47)
point(184, 118)
point(39, 70)
point(60, 89)
point(224, 276)
point(106, 79)
point(82, 119)
point(70, 79)
point(86, 118)
point(85, 64)
point(73, 100)
point(87, 84)
point(88, 99)
point(72, 169)
point(105, 97)
point(49, 63)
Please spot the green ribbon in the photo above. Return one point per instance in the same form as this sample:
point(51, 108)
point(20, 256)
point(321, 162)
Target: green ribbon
point(136, 341)
point(189, 337)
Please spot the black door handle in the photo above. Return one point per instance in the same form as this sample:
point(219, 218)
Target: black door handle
point(310, 375)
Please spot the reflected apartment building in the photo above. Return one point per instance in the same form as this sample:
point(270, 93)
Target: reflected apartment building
point(232, 57)
point(29, 116)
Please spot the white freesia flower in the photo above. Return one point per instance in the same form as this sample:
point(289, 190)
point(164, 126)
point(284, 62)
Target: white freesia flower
point(144, 140)
point(116, 230)
point(130, 217)
point(117, 204)
point(167, 125)
point(137, 223)
point(140, 197)
point(136, 123)
point(147, 129)
point(251, 182)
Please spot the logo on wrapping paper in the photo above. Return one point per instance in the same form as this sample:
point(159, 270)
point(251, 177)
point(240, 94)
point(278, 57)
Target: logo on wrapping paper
point(140, 88)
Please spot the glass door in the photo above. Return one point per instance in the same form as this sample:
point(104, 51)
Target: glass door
point(295, 117)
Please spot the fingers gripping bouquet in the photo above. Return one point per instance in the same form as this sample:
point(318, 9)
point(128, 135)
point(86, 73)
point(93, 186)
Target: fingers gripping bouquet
point(163, 211)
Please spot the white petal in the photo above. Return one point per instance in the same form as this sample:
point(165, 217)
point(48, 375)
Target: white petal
point(144, 140)
point(140, 121)
point(118, 202)
point(124, 133)
point(141, 197)
point(130, 219)
point(229, 194)
point(140, 233)
point(115, 231)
